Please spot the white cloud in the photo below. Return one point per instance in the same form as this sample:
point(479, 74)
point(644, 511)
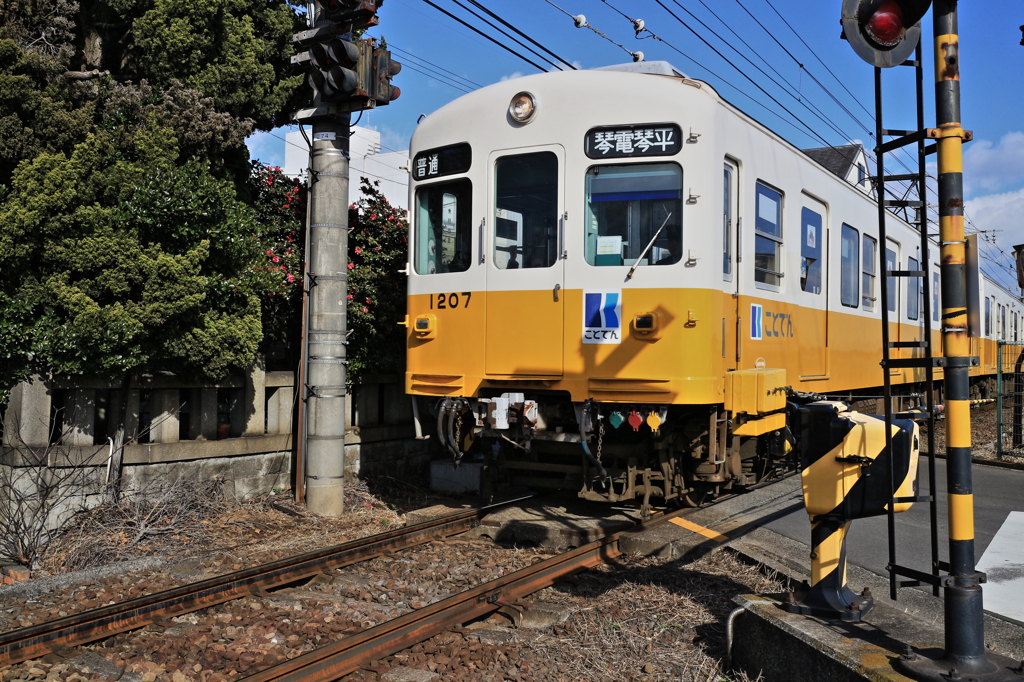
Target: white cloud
point(517, 74)
point(1000, 217)
point(266, 147)
point(992, 167)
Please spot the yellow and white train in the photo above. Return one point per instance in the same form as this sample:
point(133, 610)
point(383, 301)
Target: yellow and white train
point(615, 276)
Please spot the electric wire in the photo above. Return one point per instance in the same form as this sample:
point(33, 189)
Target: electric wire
point(507, 35)
point(816, 112)
point(420, 70)
point(832, 96)
point(584, 24)
point(478, 5)
point(435, 66)
point(496, 42)
point(799, 120)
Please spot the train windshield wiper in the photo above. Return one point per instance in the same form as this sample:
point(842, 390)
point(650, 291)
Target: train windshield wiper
point(629, 275)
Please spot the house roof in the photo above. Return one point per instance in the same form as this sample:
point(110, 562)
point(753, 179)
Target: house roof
point(839, 160)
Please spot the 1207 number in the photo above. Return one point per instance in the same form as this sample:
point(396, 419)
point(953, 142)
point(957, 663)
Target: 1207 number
point(446, 301)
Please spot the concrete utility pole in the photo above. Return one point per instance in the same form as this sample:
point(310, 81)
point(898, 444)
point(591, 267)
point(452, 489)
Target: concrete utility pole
point(326, 328)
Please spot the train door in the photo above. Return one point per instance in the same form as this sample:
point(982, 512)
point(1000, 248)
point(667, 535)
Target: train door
point(892, 259)
point(525, 273)
point(812, 312)
point(732, 322)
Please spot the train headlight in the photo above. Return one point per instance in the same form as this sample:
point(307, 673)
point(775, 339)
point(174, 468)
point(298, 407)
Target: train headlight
point(523, 108)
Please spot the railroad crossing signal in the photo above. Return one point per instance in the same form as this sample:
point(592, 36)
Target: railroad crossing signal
point(883, 32)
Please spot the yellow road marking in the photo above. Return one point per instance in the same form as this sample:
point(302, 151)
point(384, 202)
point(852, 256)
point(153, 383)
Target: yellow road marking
point(706, 532)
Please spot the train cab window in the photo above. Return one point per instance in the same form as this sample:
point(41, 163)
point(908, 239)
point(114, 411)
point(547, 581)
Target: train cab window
point(768, 238)
point(891, 282)
point(988, 316)
point(526, 211)
point(869, 255)
point(913, 291)
point(810, 251)
point(443, 239)
point(849, 291)
point(626, 207)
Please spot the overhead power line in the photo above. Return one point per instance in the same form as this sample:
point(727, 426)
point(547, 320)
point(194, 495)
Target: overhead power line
point(440, 71)
point(508, 35)
point(581, 22)
point(496, 42)
point(478, 5)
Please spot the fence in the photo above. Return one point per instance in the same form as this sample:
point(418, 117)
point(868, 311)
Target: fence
point(1009, 397)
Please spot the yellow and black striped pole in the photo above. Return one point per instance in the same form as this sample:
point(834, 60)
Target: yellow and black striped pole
point(964, 624)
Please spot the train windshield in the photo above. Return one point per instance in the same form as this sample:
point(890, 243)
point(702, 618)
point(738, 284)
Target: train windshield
point(443, 241)
point(626, 207)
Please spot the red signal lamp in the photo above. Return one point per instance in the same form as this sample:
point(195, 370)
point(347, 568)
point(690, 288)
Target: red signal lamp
point(885, 26)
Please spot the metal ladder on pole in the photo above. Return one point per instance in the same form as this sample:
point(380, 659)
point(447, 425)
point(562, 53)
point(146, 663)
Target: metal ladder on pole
point(922, 356)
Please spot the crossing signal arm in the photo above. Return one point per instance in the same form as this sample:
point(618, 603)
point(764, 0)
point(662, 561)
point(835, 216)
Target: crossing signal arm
point(883, 33)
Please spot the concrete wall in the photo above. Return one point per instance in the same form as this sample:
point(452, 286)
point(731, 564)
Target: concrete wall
point(240, 430)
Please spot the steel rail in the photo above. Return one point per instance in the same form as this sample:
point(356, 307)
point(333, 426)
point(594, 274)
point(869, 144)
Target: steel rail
point(348, 655)
point(24, 644)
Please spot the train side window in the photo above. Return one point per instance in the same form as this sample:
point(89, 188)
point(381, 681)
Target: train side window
point(526, 211)
point(768, 238)
point(891, 282)
point(869, 256)
point(848, 290)
point(913, 291)
point(443, 239)
point(1002, 327)
point(935, 297)
point(988, 316)
point(810, 251)
point(626, 206)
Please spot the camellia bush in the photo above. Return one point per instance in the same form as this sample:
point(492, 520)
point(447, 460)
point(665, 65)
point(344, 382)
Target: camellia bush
point(377, 251)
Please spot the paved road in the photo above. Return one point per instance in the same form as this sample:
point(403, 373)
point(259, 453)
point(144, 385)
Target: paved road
point(997, 493)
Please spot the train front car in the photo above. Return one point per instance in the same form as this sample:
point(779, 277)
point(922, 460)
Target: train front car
point(567, 307)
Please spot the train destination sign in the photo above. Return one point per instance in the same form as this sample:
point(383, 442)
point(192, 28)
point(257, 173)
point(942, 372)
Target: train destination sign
point(441, 161)
point(613, 142)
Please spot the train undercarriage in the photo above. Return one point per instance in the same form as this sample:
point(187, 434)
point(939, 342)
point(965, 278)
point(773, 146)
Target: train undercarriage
point(676, 455)
point(609, 452)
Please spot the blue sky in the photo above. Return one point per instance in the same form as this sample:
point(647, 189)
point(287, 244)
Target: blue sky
point(779, 35)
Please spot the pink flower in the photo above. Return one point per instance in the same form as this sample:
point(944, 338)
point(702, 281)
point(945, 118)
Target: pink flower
point(358, 250)
point(270, 252)
point(291, 278)
point(350, 297)
point(373, 216)
point(350, 266)
point(366, 310)
point(367, 300)
point(276, 259)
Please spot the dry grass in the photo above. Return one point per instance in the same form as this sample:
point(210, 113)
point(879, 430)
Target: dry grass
point(183, 521)
point(650, 620)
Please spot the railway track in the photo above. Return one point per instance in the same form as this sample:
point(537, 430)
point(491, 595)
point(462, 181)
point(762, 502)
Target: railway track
point(53, 636)
point(352, 652)
point(501, 595)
